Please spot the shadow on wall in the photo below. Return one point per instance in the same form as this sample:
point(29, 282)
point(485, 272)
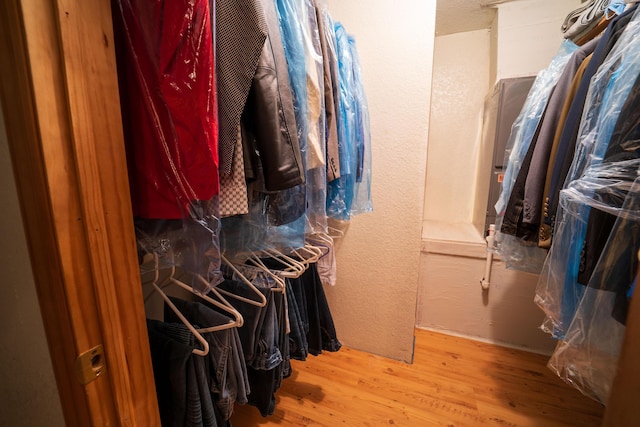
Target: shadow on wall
point(513, 312)
point(451, 301)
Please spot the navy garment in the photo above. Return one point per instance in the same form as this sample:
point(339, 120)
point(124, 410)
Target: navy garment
point(328, 336)
point(622, 146)
point(512, 223)
point(299, 297)
point(311, 331)
point(315, 314)
point(618, 265)
point(182, 390)
point(536, 176)
point(567, 144)
point(265, 382)
point(253, 316)
point(225, 361)
point(299, 347)
point(268, 354)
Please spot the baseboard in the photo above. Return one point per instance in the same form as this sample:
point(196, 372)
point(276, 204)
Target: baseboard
point(486, 341)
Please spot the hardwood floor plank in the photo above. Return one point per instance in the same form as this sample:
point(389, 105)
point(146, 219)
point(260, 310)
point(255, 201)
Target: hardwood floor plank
point(392, 402)
point(452, 382)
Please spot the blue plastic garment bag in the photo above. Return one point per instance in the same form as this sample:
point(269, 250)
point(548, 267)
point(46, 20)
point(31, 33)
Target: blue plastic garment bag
point(558, 292)
point(341, 191)
point(511, 249)
point(362, 199)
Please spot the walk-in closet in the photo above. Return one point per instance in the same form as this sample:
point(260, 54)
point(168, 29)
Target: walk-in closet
point(319, 212)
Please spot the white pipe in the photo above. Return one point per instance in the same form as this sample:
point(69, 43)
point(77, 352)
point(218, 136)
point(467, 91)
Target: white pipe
point(486, 280)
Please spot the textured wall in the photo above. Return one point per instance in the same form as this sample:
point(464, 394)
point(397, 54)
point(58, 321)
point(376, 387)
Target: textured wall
point(451, 301)
point(28, 393)
point(374, 300)
point(524, 37)
point(529, 35)
point(460, 84)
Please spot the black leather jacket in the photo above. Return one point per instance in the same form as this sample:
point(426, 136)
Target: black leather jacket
point(269, 116)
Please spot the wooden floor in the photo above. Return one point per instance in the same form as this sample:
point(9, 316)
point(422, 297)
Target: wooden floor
point(453, 382)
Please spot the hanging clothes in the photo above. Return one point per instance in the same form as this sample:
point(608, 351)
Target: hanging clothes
point(587, 356)
point(533, 188)
point(168, 98)
point(274, 133)
point(608, 103)
point(362, 201)
point(225, 361)
point(304, 56)
point(529, 198)
point(238, 117)
point(182, 389)
point(576, 183)
point(167, 95)
point(544, 231)
point(569, 135)
point(316, 321)
point(241, 31)
point(341, 191)
point(330, 79)
point(523, 212)
point(525, 127)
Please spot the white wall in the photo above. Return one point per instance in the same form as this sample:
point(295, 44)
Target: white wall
point(529, 35)
point(28, 392)
point(524, 38)
point(373, 302)
point(460, 84)
point(493, 66)
point(451, 301)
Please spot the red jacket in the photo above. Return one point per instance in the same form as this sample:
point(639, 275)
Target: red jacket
point(168, 96)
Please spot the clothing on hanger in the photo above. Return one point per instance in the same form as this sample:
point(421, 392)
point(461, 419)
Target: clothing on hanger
point(512, 251)
point(172, 150)
point(523, 212)
point(566, 145)
point(608, 92)
point(243, 135)
point(225, 362)
point(582, 20)
point(182, 389)
point(587, 356)
point(326, 45)
point(544, 232)
point(575, 182)
point(240, 33)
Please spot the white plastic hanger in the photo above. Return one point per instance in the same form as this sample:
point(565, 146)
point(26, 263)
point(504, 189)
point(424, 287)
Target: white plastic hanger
point(262, 300)
point(257, 263)
point(323, 242)
point(292, 266)
point(288, 271)
point(304, 255)
point(314, 252)
point(192, 329)
point(322, 237)
point(223, 304)
point(335, 232)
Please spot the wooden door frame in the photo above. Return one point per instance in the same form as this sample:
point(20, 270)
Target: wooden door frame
point(622, 409)
point(61, 106)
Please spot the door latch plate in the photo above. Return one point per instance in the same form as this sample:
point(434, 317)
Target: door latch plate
point(90, 365)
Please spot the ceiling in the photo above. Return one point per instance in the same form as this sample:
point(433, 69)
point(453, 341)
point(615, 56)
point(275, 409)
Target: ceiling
point(457, 16)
